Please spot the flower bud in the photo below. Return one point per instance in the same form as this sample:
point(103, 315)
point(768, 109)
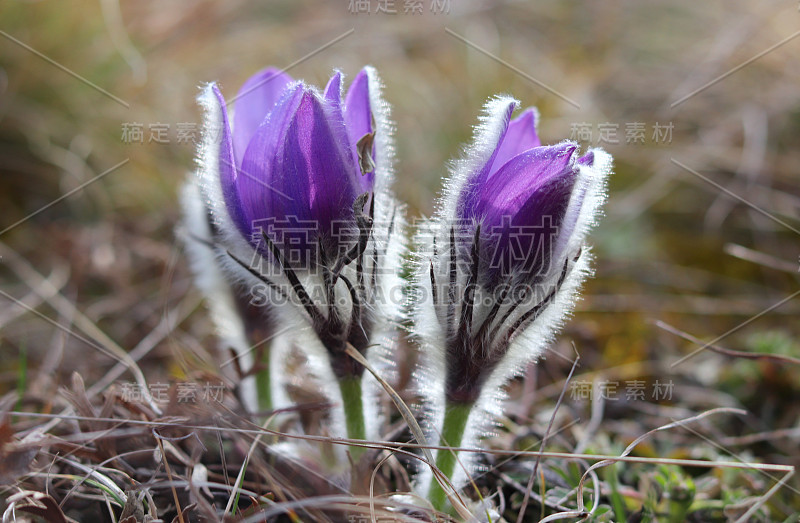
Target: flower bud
point(500, 263)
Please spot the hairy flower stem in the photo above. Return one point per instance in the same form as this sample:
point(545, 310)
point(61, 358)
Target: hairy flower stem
point(455, 421)
point(353, 406)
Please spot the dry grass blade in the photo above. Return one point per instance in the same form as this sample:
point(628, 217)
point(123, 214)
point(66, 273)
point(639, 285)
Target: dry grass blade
point(393, 445)
point(164, 328)
point(93, 473)
point(243, 468)
point(169, 475)
point(44, 288)
point(760, 258)
point(375, 469)
point(768, 494)
point(580, 512)
point(57, 279)
point(727, 352)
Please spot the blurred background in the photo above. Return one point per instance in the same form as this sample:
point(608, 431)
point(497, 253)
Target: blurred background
point(698, 103)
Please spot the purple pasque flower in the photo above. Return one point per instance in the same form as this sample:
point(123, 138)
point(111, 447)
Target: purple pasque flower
point(289, 160)
point(297, 182)
point(501, 260)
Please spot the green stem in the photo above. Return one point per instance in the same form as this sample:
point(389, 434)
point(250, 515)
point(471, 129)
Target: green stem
point(264, 385)
point(353, 405)
point(455, 421)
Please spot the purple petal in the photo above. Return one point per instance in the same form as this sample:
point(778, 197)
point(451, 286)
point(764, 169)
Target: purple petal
point(571, 216)
point(523, 205)
point(255, 100)
point(511, 187)
point(472, 191)
point(520, 136)
point(302, 169)
point(583, 186)
point(358, 118)
point(333, 91)
point(227, 167)
point(358, 114)
point(255, 184)
point(333, 95)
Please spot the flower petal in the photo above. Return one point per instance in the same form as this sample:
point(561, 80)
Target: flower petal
point(303, 170)
point(358, 115)
point(227, 166)
point(588, 195)
point(587, 159)
point(333, 91)
point(519, 137)
point(472, 175)
point(523, 206)
point(255, 185)
point(255, 100)
point(517, 181)
point(333, 95)
point(359, 119)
